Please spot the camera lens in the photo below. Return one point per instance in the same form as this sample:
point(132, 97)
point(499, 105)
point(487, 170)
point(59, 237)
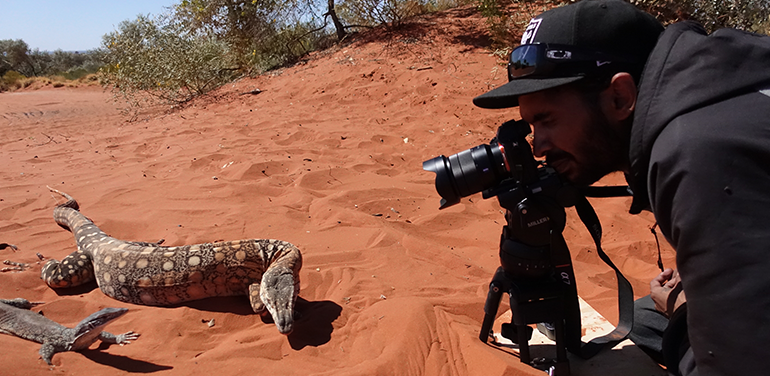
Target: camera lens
point(467, 172)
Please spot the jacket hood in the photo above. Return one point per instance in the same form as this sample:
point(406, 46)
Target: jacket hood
point(689, 69)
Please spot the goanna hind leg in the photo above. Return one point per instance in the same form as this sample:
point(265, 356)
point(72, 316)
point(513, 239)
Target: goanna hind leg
point(148, 244)
point(73, 270)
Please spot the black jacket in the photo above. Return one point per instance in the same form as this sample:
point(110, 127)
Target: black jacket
point(700, 160)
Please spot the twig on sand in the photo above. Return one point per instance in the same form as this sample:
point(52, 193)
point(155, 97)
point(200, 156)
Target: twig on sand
point(50, 140)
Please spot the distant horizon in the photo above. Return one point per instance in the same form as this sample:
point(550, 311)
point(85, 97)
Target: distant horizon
point(77, 26)
point(68, 51)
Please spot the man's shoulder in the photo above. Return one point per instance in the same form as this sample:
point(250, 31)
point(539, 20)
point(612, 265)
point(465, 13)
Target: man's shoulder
point(739, 119)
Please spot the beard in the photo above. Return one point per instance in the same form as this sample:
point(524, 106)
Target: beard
point(602, 149)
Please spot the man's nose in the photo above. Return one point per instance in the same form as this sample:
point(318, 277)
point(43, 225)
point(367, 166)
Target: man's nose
point(540, 145)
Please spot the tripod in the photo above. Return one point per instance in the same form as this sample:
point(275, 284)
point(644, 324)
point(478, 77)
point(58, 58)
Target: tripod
point(536, 272)
point(549, 298)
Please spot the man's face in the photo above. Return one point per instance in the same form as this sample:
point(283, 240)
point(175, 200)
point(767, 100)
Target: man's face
point(575, 136)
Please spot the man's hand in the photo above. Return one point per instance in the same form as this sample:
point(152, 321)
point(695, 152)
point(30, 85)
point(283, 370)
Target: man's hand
point(666, 292)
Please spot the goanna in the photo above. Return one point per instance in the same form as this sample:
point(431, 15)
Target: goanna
point(266, 270)
point(18, 320)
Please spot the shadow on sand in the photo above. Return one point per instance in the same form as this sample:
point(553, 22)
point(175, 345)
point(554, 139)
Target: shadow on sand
point(120, 362)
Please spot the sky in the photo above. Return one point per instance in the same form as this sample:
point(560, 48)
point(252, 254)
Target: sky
point(70, 25)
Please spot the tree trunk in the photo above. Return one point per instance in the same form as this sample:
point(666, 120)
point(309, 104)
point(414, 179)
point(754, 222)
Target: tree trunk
point(337, 24)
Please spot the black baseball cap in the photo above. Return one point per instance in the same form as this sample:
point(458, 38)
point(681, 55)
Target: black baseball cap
point(569, 43)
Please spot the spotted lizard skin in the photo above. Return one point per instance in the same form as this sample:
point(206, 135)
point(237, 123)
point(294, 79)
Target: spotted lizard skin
point(266, 270)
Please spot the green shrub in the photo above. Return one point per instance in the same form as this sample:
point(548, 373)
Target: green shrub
point(158, 61)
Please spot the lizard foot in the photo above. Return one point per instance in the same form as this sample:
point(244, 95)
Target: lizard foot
point(126, 338)
point(11, 246)
point(18, 266)
point(14, 266)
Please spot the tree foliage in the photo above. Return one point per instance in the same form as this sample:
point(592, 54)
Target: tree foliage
point(242, 24)
point(262, 34)
point(390, 13)
point(14, 55)
point(18, 62)
point(381, 12)
point(749, 15)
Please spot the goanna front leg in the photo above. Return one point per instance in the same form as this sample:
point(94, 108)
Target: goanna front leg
point(20, 303)
point(120, 339)
point(14, 266)
point(48, 350)
point(11, 246)
point(74, 270)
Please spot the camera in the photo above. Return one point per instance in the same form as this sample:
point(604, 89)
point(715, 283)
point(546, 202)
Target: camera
point(533, 194)
point(483, 167)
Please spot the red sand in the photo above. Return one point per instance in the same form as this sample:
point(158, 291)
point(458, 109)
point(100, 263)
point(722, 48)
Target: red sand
point(329, 157)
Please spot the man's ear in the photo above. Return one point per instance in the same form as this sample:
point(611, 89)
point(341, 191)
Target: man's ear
point(620, 97)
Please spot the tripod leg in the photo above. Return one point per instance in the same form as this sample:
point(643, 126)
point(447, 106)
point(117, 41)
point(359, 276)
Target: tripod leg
point(496, 288)
point(561, 368)
point(525, 333)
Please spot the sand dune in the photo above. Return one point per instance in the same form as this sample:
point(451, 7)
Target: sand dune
point(329, 157)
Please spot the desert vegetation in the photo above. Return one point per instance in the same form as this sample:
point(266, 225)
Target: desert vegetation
point(201, 44)
point(198, 45)
point(505, 25)
point(22, 67)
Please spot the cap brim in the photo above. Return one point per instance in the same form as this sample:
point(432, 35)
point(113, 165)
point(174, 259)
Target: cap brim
point(508, 95)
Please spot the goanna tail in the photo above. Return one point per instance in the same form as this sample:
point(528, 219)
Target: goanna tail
point(76, 268)
point(71, 202)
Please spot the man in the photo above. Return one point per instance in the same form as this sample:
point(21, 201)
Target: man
point(686, 116)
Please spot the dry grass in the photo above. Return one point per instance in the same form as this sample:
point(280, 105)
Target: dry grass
point(15, 83)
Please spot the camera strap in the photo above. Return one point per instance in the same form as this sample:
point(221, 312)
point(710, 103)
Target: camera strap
point(589, 218)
